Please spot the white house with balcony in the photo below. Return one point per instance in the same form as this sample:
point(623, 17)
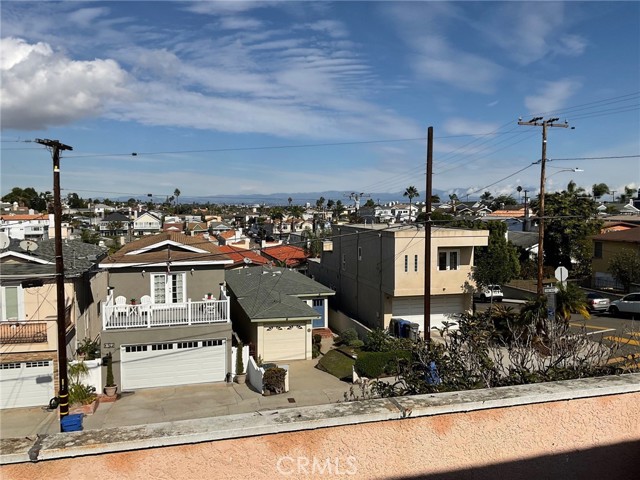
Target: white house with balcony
point(166, 319)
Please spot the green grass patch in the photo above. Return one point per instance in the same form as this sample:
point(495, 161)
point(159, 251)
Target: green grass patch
point(337, 364)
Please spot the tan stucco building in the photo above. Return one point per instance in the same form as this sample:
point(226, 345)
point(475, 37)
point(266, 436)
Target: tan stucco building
point(378, 270)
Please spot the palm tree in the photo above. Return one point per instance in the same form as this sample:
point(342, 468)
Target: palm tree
point(453, 198)
point(289, 200)
point(411, 192)
point(296, 212)
point(176, 193)
point(570, 299)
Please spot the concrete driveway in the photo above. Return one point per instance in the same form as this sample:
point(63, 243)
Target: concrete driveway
point(308, 386)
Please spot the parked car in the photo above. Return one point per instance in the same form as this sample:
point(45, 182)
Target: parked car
point(596, 302)
point(489, 292)
point(629, 304)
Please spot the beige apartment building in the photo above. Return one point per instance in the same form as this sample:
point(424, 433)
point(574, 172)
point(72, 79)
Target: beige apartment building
point(377, 272)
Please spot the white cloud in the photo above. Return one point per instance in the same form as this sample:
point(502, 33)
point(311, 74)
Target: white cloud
point(462, 126)
point(85, 17)
point(552, 96)
point(528, 31)
point(239, 23)
point(41, 88)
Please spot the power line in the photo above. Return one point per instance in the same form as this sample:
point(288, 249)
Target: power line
point(593, 158)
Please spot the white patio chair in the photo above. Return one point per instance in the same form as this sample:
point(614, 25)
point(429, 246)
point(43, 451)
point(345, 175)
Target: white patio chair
point(145, 307)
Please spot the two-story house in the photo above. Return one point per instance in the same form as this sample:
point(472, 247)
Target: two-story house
point(32, 226)
point(147, 224)
point(377, 272)
point(28, 321)
point(114, 224)
point(605, 247)
point(166, 320)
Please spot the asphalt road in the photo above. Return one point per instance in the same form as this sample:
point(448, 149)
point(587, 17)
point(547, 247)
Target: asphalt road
point(625, 331)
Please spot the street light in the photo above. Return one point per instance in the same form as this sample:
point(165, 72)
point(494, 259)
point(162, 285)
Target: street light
point(565, 170)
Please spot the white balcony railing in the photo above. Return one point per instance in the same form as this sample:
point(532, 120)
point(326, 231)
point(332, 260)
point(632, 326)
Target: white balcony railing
point(164, 314)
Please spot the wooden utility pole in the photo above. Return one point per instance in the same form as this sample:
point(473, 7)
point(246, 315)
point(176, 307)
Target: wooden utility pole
point(63, 392)
point(427, 239)
point(539, 122)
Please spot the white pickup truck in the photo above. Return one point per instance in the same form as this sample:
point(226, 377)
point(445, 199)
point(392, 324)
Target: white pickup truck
point(488, 293)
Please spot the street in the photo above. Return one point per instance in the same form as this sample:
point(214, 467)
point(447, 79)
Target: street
point(624, 331)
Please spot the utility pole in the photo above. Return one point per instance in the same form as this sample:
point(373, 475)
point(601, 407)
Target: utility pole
point(63, 392)
point(540, 122)
point(525, 227)
point(613, 196)
point(356, 198)
point(427, 239)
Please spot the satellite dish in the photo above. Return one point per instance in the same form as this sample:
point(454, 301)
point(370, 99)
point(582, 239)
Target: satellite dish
point(28, 245)
point(247, 260)
point(4, 240)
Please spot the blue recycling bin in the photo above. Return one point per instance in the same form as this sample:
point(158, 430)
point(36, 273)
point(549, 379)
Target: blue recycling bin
point(405, 328)
point(71, 423)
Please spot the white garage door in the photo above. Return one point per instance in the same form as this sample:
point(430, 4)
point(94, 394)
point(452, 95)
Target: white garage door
point(412, 309)
point(173, 363)
point(26, 384)
point(284, 342)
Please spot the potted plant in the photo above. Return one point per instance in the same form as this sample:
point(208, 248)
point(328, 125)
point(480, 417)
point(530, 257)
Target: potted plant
point(133, 301)
point(240, 374)
point(110, 387)
point(88, 349)
point(82, 397)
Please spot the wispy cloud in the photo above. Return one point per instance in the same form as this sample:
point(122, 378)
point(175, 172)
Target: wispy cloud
point(552, 96)
point(463, 126)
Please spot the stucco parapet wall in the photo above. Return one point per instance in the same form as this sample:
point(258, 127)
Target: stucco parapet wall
point(121, 439)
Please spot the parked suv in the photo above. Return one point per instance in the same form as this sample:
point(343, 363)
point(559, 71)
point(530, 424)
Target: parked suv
point(629, 304)
point(489, 292)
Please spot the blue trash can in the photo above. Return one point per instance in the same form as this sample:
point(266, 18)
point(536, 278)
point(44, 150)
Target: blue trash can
point(71, 423)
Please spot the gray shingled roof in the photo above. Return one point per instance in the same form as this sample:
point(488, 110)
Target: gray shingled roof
point(78, 257)
point(247, 281)
point(272, 293)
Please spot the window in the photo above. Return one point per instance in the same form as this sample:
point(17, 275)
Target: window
point(318, 302)
point(448, 259)
point(597, 250)
point(168, 288)
point(406, 263)
point(359, 253)
point(11, 303)
point(211, 343)
point(162, 346)
point(415, 263)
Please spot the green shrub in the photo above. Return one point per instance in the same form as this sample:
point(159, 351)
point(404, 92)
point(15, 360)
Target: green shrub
point(377, 364)
point(356, 343)
point(273, 379)
point(110, 381)
point(317, 339)
point(347, 336)
point(89, 348)
point(239, 361)
point(315, 351)
point(379, 340)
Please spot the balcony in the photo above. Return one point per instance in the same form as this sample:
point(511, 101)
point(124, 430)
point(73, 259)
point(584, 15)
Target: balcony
point(164, 314)
point(23, 332)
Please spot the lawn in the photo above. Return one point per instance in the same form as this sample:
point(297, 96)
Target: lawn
point(337, 364)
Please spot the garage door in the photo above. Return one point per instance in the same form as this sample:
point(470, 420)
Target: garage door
point(173, 363)
point(412, 309)
point(285, 342)
point(26, 384)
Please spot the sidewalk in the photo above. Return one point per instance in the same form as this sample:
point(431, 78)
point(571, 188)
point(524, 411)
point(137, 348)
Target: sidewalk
point(309, 386)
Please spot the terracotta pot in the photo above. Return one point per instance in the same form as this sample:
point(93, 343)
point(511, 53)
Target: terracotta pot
point(241, 378)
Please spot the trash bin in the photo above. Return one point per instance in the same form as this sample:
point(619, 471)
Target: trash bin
point(71, 423)
point(404, 327)
point(414, 331)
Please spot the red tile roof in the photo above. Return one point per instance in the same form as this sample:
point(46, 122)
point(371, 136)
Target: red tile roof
point(288, 254)
point(238, 256)
point(24, 217)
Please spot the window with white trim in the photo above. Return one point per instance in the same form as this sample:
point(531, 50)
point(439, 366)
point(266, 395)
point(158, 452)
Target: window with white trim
point(406, 263)
point(448, 259)
point(168, 288)
point(12, 303)
point(415, 263)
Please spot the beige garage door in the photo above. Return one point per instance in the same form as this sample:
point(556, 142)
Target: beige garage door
point(284, 342)
point(442, 307)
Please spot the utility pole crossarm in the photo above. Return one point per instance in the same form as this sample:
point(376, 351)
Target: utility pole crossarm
point(540, 122)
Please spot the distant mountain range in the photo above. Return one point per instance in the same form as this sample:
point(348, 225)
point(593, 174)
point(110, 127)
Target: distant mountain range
point(300, 198)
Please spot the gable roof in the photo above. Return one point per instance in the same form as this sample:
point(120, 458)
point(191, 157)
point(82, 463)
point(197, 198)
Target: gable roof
point(289, 255)
point(274, 293)
point(525, 240)
point(115, 217)
point(240, 255)
point(172, 247)
point(247, 281)
point(78, 257)
point(627, 236)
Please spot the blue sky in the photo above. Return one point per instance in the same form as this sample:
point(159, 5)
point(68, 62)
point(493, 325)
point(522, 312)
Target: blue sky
point(204, 91)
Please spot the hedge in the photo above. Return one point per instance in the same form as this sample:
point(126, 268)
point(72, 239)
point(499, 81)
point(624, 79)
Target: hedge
point(377, 364)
